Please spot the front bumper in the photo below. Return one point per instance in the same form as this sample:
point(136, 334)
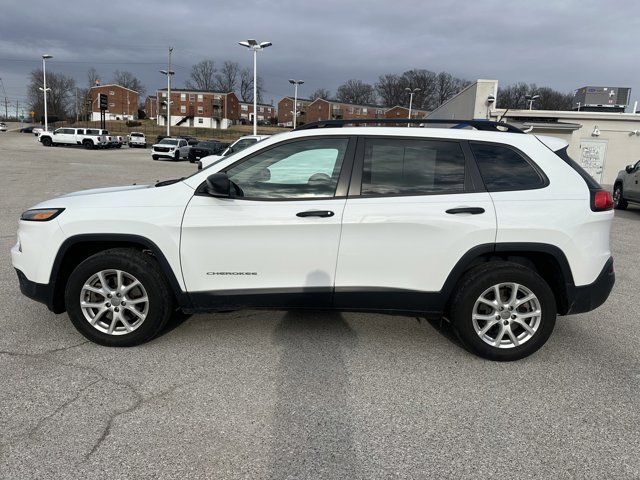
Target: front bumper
point(589, 297)
point(40, 292)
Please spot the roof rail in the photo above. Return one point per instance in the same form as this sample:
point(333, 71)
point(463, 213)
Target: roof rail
point(487, 125)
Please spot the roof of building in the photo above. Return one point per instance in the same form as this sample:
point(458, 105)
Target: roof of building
point(368, 105)
point(191, 90)
point(259, 104)
point(413, 109)
point(113, 85)
point(299, 99)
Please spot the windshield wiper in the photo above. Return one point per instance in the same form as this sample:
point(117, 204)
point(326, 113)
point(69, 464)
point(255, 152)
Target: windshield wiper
point(169, 182)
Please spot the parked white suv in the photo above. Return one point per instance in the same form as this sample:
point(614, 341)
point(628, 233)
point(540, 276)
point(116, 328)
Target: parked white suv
point(235, 147)
point(87, 137)
point(174, 148)
point(493, 230)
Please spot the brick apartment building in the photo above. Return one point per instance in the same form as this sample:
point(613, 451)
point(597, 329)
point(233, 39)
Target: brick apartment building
point(151, 107)
point(265, 111)
point(198, 108)
point(321, 109)
point(403, 112)
point(285, 107)
point(122, 102)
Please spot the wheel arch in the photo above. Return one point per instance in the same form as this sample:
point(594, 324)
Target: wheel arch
point(78, 248)
point(547, 260)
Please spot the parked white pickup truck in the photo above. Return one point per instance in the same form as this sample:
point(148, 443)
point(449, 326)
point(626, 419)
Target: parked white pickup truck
point(87, 137)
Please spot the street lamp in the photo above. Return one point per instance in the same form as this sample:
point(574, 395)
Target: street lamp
point(168, 72)
point(45, 90)
point(295, 84)
point(411, 94)
point(255, 46)
point(531, 99)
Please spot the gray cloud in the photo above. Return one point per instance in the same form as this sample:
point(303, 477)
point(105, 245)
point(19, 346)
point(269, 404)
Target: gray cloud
point(563, 44)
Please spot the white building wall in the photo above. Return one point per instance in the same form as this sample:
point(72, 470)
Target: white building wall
point(470, 103)
point(95, 116)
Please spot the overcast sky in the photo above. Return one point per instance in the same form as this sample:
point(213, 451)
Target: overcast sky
point(562, 44)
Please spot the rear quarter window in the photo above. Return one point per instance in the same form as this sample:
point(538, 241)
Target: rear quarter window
point(504, 168)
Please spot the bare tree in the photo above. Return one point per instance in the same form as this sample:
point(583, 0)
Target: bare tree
point(60, 98)
point(515, 96)
point(448, 86)
point(128, 80)
point(227, 77)
point(426, 81)
point(390, 89)
point(92, 77)
point(356, 91)
point(322, 93)
point(246, 86)
point(202, 76)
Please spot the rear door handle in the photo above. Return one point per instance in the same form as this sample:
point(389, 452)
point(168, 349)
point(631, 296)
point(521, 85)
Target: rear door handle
point(471, 210)
point(316, 213)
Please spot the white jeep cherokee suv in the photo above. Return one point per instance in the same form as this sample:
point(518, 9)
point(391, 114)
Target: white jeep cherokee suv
point(496, 231)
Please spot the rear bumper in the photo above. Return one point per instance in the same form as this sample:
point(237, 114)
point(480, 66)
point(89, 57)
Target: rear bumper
point(589, 297)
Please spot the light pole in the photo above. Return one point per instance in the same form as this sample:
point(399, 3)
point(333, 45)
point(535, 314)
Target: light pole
point(255, 46)
point(411, 94)
point(45, 89)
point(531, 99)
point(295, 84)
point(168, 72)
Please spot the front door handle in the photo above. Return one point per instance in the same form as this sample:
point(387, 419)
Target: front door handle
point(315, 213)
point(471, 210)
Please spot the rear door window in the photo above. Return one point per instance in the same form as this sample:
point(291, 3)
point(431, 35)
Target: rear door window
point(412, 167)
point(504, 168)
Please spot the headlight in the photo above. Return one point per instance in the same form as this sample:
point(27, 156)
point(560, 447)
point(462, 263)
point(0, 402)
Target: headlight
point(41, 214)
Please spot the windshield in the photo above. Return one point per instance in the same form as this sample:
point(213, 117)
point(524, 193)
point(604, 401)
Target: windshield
point(137, 135)
point(242, 144)
point(168, 141)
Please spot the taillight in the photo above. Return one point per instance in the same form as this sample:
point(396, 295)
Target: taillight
point(601, 200)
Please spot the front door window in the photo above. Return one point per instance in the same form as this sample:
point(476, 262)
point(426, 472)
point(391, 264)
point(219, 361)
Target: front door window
point(303, 169)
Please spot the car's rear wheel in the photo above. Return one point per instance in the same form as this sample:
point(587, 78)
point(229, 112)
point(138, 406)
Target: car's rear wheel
point(88, 144)
point(619, 203)
point(118, 298)
point(503, 311)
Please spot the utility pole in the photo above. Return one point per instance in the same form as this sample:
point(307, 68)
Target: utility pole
point(76, 104)
point(6, 108)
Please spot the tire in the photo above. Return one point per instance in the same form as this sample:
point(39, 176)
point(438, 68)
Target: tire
point(130, 145)
point(46, 141)
point(155, 157)
point(466, 305)
point(87, 144)
point(119, 145)
point(134, 265)
point(176, 157)
point(619, 203)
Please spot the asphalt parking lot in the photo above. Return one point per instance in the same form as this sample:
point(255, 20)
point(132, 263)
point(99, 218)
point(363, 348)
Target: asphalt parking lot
point(277, 395)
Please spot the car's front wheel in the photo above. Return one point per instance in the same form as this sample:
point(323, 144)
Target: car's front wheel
point(46, 141)
point(503, 311)
point(619, 203)
point(118, 298)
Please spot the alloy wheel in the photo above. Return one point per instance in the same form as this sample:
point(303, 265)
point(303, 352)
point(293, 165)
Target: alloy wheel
point(114, 302)
point(506, 315)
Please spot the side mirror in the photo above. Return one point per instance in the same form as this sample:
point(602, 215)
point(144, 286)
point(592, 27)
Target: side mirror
point(629, 168)
point(218, 185)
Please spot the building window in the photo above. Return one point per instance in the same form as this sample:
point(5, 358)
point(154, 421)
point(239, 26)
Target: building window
point(192, 97)
point(112, 104)
point(200, 120)
point(111, 92)
point(244, 107)
point(364, 111)
point(163, 94)
point(260, 109)
point(200, 97)
point(379, 112)
point(183, 109)
point(200, 110)
point(183, 97)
